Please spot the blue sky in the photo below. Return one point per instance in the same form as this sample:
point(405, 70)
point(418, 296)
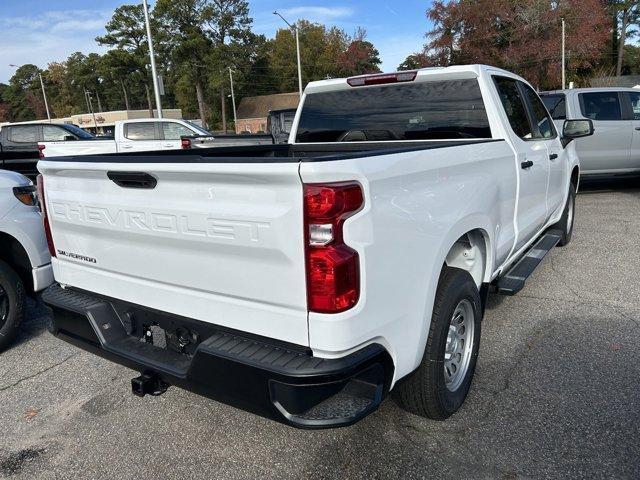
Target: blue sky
point(39, 32)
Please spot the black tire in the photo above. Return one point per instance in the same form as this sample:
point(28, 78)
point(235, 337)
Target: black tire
point(568, 218)
point(12, 299)
point(425, 391)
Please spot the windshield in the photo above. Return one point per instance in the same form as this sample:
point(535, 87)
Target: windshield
point(435, 110)
point(198, 129)
point(556, 104)
point(77, 131)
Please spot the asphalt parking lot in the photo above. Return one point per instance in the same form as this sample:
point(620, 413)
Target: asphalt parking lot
point(555, 393)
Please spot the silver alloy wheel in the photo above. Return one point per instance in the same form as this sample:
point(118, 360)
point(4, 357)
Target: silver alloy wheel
point(459, 348)
point(570, 216)
point(4, 306)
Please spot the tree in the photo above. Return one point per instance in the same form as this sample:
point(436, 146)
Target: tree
point(415, 61)
point(625, 13)
point(126, 32)
point(360, 57)
point(521, 36)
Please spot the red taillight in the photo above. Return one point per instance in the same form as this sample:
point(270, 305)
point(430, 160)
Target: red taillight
point(185, 143)
point(382, 78)
point(333, 268)
point(41, 151)
point(45, 217)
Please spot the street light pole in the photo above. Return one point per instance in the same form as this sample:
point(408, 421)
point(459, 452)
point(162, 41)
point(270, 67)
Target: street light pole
point(156, 88)
point(233, 101)
point(295, 27)
point(87, 97)
point(564, 77)
point(44, 95)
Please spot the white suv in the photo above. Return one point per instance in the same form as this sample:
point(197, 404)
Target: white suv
point(25, 262)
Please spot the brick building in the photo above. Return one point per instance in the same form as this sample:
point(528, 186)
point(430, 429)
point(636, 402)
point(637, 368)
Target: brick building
point(253, 111)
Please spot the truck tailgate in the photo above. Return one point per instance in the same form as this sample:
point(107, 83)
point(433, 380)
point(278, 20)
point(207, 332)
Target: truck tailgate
point(217, 242)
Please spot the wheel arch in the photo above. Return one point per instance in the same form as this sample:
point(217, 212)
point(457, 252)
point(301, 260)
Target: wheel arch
point(14, 254)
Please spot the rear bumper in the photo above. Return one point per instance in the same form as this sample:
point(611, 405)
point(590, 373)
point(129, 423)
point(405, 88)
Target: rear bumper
point(275, 380)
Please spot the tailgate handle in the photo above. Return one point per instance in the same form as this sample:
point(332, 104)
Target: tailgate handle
point(133, 179)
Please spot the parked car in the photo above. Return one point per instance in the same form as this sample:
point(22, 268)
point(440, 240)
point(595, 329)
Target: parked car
point(278, 125)
point(25, 262)
point(614, 149)
point(138, 135)
point(303, 282)
point(19, 143)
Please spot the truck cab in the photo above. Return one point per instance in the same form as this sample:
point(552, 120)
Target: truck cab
point(614, 149)
point(19, 143)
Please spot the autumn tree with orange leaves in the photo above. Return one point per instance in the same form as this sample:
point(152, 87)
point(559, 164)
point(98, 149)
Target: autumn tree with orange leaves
point(523, 36)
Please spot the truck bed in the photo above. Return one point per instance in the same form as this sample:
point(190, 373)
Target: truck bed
point(273, 153)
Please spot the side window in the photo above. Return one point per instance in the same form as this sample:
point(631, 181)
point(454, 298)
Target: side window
point(174, 130)
point(635, 104)
point(514, 106)
point(51, 133)
point(543, 121)
point(140, 131)
point(23, 133)
point(557, 105)
point(601, 106)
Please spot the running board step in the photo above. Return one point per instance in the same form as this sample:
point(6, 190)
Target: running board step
point(513, 281)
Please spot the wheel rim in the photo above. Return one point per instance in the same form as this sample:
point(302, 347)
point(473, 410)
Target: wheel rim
point(4, 307)
point(570, 216)
point(459, 347)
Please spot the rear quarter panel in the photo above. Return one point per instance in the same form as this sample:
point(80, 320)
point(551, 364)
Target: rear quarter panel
point(417, 204)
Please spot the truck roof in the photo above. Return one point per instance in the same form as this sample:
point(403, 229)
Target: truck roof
point(423, 74)
point(590, 90)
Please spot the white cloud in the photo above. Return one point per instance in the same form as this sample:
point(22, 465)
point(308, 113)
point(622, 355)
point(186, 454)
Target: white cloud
point(317, 13)
point(49, 36)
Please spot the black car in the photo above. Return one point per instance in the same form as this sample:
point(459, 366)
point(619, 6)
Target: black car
point(19, 143)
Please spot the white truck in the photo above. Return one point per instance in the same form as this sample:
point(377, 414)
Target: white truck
point(139, 135)
point(25, 262)
point(615, 111)
point(303, 282)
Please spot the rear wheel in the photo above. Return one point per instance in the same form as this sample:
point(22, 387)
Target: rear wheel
point(438, 388)
point(11, 304)
point(565, 225)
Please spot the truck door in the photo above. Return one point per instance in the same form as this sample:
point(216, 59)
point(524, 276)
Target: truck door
point(140, 137)
point(172, 133)
point(532, 161)
point(20, 148)
point(609, 149)
point(633, 105)
point(544, 128)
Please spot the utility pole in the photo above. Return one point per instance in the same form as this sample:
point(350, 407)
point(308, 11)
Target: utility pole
point(87, 96)
point(154, 73)
point(295, 27)
point(44, 95)
point(564, 75)
point(233, 101)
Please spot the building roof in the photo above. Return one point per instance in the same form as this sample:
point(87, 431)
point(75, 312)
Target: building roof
point(260, 106)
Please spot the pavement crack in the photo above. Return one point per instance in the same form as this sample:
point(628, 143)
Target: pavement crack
point(40, 372)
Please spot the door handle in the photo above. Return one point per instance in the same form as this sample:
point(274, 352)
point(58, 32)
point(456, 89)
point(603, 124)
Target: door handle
point(133, 179)
point(527, 164)
point(638, 128)
point(553, 156)
point(127, 146)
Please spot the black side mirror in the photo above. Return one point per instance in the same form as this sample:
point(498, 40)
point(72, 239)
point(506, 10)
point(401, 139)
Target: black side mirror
point(577, 128)
point(573, 129)
point(69, 138)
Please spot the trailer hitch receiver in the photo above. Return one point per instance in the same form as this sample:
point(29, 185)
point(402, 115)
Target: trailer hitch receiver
point(148, 384)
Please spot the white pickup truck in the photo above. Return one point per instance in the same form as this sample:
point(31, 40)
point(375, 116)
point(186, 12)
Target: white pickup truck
point(140, 135)
point(304, 282)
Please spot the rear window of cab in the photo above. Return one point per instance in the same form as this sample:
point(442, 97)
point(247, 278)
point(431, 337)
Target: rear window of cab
point(432, 110)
